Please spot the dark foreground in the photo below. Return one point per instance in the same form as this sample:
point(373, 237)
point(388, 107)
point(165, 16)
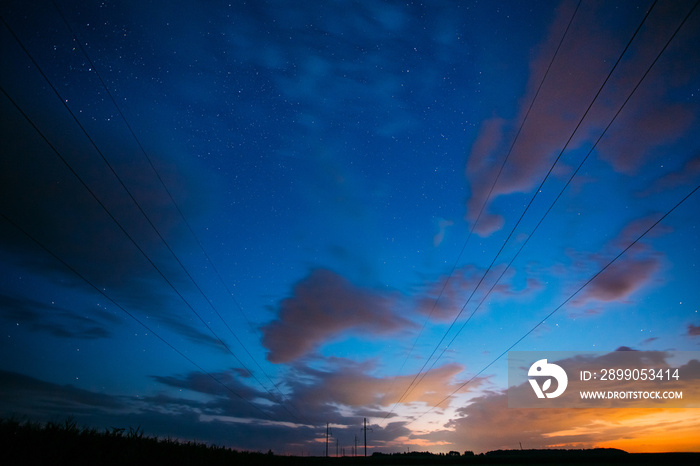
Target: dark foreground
point(67, 444)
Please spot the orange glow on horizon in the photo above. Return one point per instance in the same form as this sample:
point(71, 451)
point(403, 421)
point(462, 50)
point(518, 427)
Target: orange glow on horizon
point(639, 431)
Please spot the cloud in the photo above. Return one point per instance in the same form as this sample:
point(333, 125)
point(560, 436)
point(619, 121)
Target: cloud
point(228, 396)
point(319, 77)
point(440, 235)
point(194, 407)
point(348, 384)
point(656, 117)
point(489, 424)
point(642, 128)
point(47, 200)
point(43, 197)
point(55, 320)
point(214, 384)
point(189, 405)
point(632, 230)
point(635, 270)
point(569, 87)
point(455, 292)
point(26, 395)
point(340, 393)
point(682, 177)
point(693, 330)
point(208, 421)
point(481, 172)
point(324, 305)
point(620, 280)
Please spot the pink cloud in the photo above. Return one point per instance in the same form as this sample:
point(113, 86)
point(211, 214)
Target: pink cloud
point(573, 80)
point(635, 270)
point(532, 285)
point(636, 227)
point(645, 125)
point(621, 279)
point(323, 305)
point(650, 120)
point(654, 117)
point(481, 171)
point(693, 330)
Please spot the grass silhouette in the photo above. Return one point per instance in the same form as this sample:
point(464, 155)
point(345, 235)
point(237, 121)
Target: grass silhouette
point(66, 443)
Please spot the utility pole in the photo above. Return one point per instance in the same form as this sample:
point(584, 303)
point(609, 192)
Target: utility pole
point(365, 429)
point(355, 450)
point(326, 440)
point(336, 447)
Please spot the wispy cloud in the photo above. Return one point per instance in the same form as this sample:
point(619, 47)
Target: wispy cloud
point(349, 384)
point(55, 320)
point(454, 291)
point(26, 395)
point(215, 420)
point(48, 201)
point(684, 176)
point(442, 224)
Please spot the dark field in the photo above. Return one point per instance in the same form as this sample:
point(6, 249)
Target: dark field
point(68, 444)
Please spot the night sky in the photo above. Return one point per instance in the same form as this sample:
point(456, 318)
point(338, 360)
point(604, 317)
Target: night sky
point(236, 222)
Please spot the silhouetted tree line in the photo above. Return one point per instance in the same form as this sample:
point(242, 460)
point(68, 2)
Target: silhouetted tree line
point(67, 444)
point(597, 456)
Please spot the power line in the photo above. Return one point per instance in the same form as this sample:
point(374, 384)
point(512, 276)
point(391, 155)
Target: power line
point(172, 199)
point(121, 182)
point(616, 257)
point(145, 215)
point(471, 231)
point(563, 303)
point(121, 227)
point(140, 322)
point(561, 192)
point(537, 191)
point(150, 161)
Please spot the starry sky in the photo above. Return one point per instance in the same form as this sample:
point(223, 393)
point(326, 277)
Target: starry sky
point(240, 222)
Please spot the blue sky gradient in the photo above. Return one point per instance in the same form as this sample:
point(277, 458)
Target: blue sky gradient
point(277, 215)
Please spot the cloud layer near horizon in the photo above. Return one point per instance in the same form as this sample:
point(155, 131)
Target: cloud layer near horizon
point(195, 405)
point(490, 424)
